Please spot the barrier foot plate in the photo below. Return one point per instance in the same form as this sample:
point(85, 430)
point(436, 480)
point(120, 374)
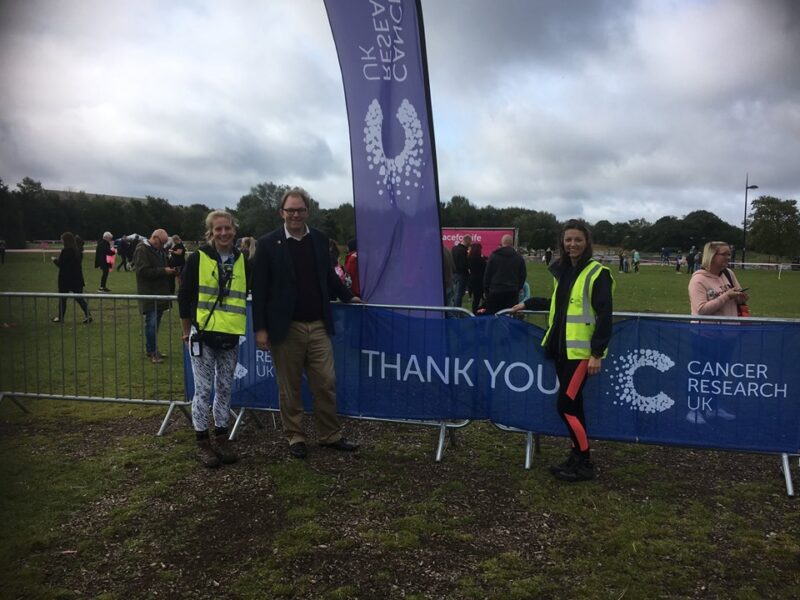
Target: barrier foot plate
point(787, 474)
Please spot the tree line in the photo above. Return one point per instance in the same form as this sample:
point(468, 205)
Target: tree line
point(32, 213)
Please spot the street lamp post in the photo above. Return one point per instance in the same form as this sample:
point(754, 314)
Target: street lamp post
point(747, 187)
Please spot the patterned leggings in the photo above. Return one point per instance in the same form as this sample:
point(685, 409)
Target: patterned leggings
point(212, 370)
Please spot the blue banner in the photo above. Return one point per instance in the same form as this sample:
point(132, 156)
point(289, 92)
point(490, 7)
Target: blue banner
point(706, 385)
point(381, 50)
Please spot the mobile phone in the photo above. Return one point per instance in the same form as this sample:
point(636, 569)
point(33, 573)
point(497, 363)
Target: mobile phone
point(744, 289)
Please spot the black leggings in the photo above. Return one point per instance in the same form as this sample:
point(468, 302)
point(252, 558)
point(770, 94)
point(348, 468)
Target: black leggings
point(571, 377)
point(62, 306)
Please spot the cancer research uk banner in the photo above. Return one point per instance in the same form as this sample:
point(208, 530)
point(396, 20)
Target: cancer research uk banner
point(716, 386)
point(381, 50)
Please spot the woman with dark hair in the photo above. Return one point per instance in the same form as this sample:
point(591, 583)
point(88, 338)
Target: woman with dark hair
point(477, 267)
point(70, 277)
point(579, 329)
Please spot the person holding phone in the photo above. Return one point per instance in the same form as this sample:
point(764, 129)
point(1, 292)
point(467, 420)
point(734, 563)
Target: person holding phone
point(714, 289)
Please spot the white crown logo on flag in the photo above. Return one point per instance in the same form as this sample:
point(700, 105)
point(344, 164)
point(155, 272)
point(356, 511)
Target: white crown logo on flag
point(403, 170)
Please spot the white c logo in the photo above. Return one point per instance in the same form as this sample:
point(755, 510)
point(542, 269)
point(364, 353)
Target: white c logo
point(402, 169)
point(626, 367)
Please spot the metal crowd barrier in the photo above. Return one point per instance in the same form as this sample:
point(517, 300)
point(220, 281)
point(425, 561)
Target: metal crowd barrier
point(447, 429)
point(100, 361)
point(532, 438)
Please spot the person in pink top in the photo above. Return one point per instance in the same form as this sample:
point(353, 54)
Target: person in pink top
point(714, 289)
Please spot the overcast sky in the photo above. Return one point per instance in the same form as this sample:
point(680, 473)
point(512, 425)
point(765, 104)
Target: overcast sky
point(596, 109)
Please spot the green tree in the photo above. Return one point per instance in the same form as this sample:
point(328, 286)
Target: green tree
point(460, 212)
point(776, 226)
point(702, 226)
point(602, 232)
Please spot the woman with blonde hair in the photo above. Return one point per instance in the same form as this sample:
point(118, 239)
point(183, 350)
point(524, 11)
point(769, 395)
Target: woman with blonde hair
point(213, 307)
point(714, 289)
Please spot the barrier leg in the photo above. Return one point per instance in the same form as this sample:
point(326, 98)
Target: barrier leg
point(21, 406)
point(164, 423)
point(787, 474)
point(235, 428)
point(537, 447)
point(529, 449)
point(442, 439)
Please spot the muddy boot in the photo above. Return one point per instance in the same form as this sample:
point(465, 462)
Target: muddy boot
point(572, 458)
point(205, 452)
point(224, 446)
point(581, 469)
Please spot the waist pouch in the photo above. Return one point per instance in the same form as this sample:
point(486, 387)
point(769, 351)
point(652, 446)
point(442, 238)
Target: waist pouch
point(218, 341)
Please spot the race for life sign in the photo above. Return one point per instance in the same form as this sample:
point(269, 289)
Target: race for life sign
point(488, 238)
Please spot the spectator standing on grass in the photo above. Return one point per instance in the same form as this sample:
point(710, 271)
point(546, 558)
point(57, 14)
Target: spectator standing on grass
point(351, 266)
point(292, 317)
point(636, 260)
point(460, 270)
point(154, 277)
point(504, 277)
point(101, 254)
point(2, 252)
point(714, 289)
point(70, 277)
point(447, 275)
point(577, 337)
point(244, 246)
point(690, 260)
point(177, 259)
point(213, 303)
point(477, 268)
point(548, 256)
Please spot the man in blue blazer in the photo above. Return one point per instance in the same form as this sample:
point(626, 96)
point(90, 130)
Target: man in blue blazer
point(292, 317)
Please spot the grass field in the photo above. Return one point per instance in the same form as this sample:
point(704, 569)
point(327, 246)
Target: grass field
point(94, 505)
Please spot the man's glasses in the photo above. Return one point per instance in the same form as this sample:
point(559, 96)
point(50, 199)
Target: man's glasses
point(295, 211)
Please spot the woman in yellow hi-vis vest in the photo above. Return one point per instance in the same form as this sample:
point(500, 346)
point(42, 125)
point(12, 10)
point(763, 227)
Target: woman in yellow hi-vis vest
point(213, 306)
point(579, 329)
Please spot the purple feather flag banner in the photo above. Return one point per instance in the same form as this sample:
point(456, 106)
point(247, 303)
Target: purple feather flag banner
point(381, 50)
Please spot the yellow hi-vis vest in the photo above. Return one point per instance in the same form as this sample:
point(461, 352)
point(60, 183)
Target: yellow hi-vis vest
point(581, 316)
point(230, 314)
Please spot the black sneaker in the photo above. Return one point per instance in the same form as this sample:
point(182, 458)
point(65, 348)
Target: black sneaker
point(581, 470)
point(571, 458)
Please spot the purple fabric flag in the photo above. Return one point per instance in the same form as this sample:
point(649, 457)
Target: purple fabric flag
point(381, 51)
